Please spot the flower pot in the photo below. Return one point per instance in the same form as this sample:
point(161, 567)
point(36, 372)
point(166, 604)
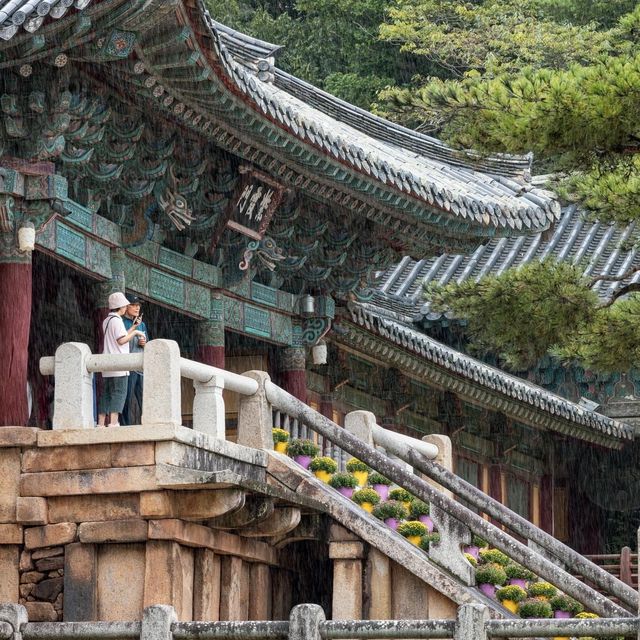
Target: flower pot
point(519, 582)
point(382, 490)
point(361, 477)
point(562, 614)
point(489, 590)
point(511, 605)
point(346, 491)
point(472, 550)
point(367, 506)
point(414, 540)
point(426, 520)
point(280, 447)
point(323, 475)
point(303, 461)
point(392, 523)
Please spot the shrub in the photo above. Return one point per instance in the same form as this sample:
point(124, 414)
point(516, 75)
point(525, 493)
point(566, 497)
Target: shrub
point(494, 556)
point(353, 464)
point(565, 603)
point(471, 560)
point(378, 478)
point(477, 541)
point(429, 538)
point(302, 448)
point(534, 608)
point(391, 509)
point(519, 572)
point(411, 528)
point(402, 495)
point(343, 480)
point(366, 495)
point(587, 615)
point(419, 508)
point(490, 574)
point(280, 435)
point(512, 592)
point(542, 589)
point(324, 464)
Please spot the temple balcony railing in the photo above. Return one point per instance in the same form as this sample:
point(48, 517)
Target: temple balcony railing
point(401, 461)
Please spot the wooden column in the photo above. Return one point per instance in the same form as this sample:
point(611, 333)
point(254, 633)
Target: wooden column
point(294, 372)
point(210, 349)
point(546, 504)
point(15, 321)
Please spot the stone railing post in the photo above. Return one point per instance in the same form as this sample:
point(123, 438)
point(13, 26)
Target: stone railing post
point(73, 395)
point(161, 397)
point(208, 407)
point(361, 424)
point(471, 622)
point(254, 415)
point(444, 458)
point(12, 617)
point(305, 621)
point(157, 620)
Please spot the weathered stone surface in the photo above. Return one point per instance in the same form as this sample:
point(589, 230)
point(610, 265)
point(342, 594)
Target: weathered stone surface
point(283, 470)
point(62, 483)
point(50, 564)
point(255, 509)
point(18, 436)
point(113, 531)
point(80, 583)
point(48, 589)
point(254, 415)
point(410, 600)
point(338, 533)
point(234, 591)
point(31, 510)
point(194, 505)
point(10, 534)
point(9, 481)
point(346, 550)
point(444, 458)
point(440, 607)
point(206, 585)
point(66, 458)
point(93, 508)
point(161, 393)
point(347, 590)
point(25, 590)
point(26, 562)
point(121, 571)
point(280, 522)
point(259, 592)
point(170, 477)
point(378, 585)
point(48, 552)
point(31, 577)
point(41, 612)
point(50, 535)
point(9, 573)
point(134, 454)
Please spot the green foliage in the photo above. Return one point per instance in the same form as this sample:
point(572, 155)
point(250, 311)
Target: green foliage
point(494, 556)
point(477, 541)
point(377, 478)
point(512, 592)
point(411, 528)
point(323, 463)
point(471, 560)
point(366, 495)
point(419, 508)
point(517, 571)
point(429, 539)
point(534, 608)
point(542, 589)
point(343, 480)
point(353, 464)
point(391, 509)
point(280, 435)
point(400, 494)
point(302, 448)
point(490, 574)
point(562, 602)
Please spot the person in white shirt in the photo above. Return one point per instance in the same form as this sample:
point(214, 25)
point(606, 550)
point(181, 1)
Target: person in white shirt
point(116, 340)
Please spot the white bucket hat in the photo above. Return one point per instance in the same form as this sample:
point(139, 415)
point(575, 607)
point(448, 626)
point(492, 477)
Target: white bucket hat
point(117, 300)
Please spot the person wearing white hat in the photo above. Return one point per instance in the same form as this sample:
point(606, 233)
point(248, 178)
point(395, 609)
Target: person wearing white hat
point(116, 340)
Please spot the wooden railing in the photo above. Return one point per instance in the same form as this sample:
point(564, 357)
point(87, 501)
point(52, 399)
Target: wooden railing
point(623, 565)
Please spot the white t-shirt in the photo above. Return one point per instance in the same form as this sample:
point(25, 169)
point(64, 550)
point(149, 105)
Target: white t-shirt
point(113, 328)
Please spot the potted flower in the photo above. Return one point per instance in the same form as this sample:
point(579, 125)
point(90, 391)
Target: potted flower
point(477, 543)
point(565, 607)
point(401, 495)
point(412, 530)
point(359, 469)
point(391, 512)
point(428, 539)
point(534, 608)
point(280, 440)
point(489, 577)
point(495, 556)
point(542, 590)
point(345, 483)
point(366, 498)
point(518, 575)
point(510, 596)
point(471, 560)
point(302, 451)
point(379, 484)
point(323, 468)
point(587, 615)
point(420, 511)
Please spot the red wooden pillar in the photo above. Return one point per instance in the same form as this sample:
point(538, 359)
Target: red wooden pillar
point(293, 369)
point(210, 347)
point(546, 504)
point(15, 321)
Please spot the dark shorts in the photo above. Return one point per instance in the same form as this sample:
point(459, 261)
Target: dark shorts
point(113, 395)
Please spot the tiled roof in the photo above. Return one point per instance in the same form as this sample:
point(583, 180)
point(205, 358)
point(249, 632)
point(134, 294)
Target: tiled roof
point(496, 382)
point(30, 15)
point(602, 249)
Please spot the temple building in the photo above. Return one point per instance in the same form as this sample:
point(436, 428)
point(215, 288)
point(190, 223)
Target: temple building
point(267, 226)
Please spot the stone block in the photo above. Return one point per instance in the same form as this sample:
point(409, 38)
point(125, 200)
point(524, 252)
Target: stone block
point(410, 601)
point(62, 483)
point(378, 585)
point(66, 458)
point(134, 454)
point(113, 531)
point(48, 589)
point(10, 534)
point(50, 535)
point(18, 437)
point(254, 416)
point(193, 505)
point(206, 586)
point(80, 583)
point(161, 394)
point(49, 552)
point(121, 570)
point(440, 607)
point(93, 508)
point(346, 550)
point(31, 510)
point(25, 590)
point(259, 592)
point(26, 562)
point(10, 572)
point(347, 590)
point(31, 577)
point(9, 482)
point(234, 589)
point(41, 612)
point(50, 564)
